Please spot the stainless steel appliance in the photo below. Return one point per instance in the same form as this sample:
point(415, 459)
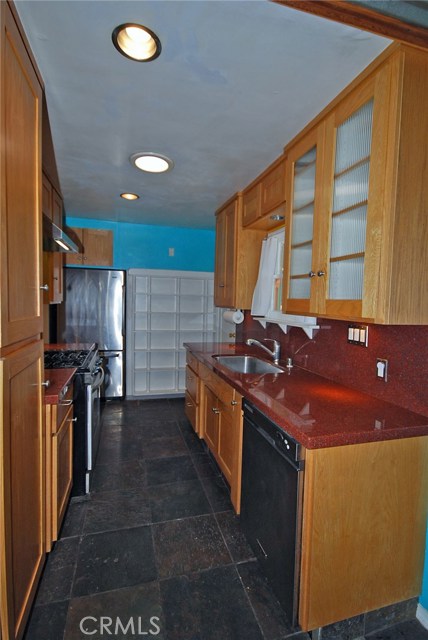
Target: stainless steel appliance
point(93, 311)
point(272, 489)
point(86, 401)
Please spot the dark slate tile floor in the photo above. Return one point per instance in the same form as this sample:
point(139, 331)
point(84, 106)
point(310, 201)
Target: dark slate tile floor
point(157, 550)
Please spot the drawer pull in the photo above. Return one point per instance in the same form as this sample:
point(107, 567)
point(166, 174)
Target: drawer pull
point(66, 403)
point(189, 404)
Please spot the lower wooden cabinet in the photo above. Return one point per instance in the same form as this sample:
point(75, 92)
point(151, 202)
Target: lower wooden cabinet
point(59, 467)
point(192, 400)
point(22, 485)
point(221, 428)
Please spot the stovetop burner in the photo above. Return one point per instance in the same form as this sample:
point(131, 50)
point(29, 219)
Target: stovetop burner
point(66, 359)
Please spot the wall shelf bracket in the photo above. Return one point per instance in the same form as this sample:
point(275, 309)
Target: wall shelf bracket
point(309, 325)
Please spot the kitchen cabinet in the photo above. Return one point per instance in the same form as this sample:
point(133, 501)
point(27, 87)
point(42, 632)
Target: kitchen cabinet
point(59, 467)
point(356, 181)
point(363, 528)
point(97, 248)
point(237, 257)
point(221, 428)
point(22, 436)
point(20, 213)
point(263, 201)
point(192, 395)
point(53, 261)
point(22, 483)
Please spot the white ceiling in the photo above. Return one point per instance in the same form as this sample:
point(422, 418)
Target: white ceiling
point(235, 81)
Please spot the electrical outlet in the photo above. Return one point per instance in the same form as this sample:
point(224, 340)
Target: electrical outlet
point(382, 369)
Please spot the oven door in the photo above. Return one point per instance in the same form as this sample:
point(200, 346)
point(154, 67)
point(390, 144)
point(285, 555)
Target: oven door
point(93, 425)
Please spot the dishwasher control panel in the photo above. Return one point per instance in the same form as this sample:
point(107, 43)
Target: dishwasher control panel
point(279, 438)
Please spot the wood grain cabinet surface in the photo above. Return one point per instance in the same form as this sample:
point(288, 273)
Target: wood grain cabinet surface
point(53, 261)
point(221, 428)
point(363, 529)
point(20, 212)
point(356, 182)
point(192, 395)
point(22, 435)
point(264, 199)
point(22, 503)
point(98, 248)
point(59, 463)
point(237, 257)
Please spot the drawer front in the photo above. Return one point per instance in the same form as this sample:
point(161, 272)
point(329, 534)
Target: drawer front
point(192, 361)
point(62, 407)
point(192, 384)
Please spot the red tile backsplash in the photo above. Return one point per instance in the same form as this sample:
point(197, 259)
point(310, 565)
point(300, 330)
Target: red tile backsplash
point(330, 355)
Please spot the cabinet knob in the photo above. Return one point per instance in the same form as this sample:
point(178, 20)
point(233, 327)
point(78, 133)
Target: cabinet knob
point(233, 403)
point(73, 419)
point(44, 287)
point(46, 384)
point(215, 410)
point(311, 274)
point(321, 273)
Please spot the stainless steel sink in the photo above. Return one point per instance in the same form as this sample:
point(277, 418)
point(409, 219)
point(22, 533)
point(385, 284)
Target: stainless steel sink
point(247, 364)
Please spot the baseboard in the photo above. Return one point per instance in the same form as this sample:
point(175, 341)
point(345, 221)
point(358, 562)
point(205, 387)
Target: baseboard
point(422, 616)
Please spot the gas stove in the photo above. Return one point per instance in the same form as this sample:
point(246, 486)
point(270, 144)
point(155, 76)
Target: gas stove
point(66, 358)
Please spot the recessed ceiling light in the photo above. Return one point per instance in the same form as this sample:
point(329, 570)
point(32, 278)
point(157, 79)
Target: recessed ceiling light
point(151, 162)
point(136, 42)
point(129, 196)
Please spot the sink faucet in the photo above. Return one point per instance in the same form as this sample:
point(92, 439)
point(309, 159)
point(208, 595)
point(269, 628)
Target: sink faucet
point(275, 351)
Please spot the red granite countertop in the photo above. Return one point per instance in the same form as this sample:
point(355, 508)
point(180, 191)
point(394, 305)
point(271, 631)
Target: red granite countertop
point(58, 378)
point(315, 411)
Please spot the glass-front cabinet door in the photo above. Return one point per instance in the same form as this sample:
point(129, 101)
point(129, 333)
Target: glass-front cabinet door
point(335, 208)
point(304, 224)
point(357, 131)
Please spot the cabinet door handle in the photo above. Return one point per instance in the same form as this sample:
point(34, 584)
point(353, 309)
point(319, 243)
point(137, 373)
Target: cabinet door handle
point(321, 273)
point(311, 274)
point(44, 287)
point(215, 410)
point(221, 286)
point(233, 403)
point(46, 384)
point(189, 404)
point(66, 403)
point(72, 419)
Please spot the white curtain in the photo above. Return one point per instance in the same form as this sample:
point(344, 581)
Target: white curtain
point(263, 291)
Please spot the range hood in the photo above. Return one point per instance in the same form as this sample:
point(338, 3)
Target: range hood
point(56, 239)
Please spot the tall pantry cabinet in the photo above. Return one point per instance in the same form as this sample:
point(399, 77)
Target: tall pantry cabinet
point(22, 456)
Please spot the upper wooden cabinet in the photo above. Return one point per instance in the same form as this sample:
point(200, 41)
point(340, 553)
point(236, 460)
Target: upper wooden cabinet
point(20, 203)
point(237, 257)
point(357, 188)
point(53, 261)
point(264, 199)
point(98, 248)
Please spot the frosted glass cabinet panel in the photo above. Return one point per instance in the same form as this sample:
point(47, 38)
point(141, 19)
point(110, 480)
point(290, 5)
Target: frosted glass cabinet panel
point(164, 310)
point(333, 212)
point(350, 198)
point(303, 205)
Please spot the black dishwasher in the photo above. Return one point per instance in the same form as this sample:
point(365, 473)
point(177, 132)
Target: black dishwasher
point(272, 488)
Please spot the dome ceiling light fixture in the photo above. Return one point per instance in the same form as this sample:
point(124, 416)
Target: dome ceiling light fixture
point(151, 162)
point(129, 196)
point(136, 42)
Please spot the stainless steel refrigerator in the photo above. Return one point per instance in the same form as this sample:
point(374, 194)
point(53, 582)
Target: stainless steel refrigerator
point(93, 310)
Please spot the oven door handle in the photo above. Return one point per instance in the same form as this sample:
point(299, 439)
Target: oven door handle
point(98, 378)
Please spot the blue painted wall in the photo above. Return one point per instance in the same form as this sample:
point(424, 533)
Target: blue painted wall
point(139, 246)
point(424, 597)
